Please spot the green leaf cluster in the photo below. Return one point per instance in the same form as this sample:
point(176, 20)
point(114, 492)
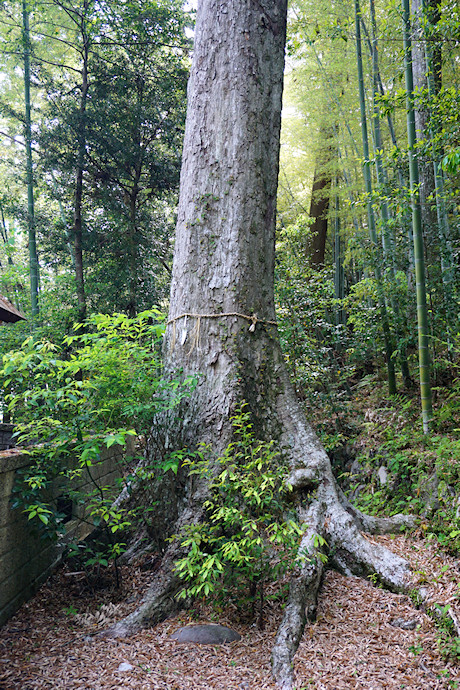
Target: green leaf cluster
point(102, 385)
point(249, 537)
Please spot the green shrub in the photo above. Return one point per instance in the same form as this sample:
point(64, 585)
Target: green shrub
point(248, 539)
point(68, 402)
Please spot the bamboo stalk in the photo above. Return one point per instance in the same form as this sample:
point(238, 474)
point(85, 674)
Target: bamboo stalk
point(382, 181)
point(388, 340)
point(422, 312)
point(33, 259)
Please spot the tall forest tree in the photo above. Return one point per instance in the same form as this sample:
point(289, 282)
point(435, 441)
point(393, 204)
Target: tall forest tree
point(135, 132)
point(108, 85)
point(319, 204)
point(222, 323)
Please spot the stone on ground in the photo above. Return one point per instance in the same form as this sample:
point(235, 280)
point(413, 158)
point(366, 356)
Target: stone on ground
point(207, 633)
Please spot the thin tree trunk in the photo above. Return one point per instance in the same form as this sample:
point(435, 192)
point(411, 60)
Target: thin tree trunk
point(422, 124)
point(422, 312)
point(77, 229)
point(33, 258)
point(339, 273)
point(5, 238)
point(388, 340)
point(402, 182)
point(382, 181)
point(132, 252)
point(381, 88)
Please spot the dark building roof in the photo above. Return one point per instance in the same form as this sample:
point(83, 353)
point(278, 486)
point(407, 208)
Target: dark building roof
point(8, 312)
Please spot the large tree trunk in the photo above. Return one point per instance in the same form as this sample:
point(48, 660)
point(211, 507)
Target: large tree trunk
point(222, 318)
point(319, 211)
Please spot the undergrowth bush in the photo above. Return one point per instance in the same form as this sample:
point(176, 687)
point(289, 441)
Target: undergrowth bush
point(102, 385)
point(423, 470)
point(317, 347)
point(249, 539)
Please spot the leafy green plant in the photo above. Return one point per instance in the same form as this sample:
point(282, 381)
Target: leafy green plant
point(248, 538)
point(416, 648)
point(70, 610)
point(69, 403)
point(448, 640)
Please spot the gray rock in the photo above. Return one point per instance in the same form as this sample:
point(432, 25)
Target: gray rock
point(382, 475)
point(124, 666)
point(207, 633)
point(404, 624)
point(356, 469)
point(429, 495)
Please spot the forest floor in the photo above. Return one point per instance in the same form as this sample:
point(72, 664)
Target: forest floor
point(356, 641)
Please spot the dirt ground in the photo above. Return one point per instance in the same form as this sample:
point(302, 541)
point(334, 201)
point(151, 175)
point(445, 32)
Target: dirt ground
point(356, 641)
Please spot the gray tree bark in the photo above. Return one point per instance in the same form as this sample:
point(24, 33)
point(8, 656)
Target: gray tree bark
point(221, 325)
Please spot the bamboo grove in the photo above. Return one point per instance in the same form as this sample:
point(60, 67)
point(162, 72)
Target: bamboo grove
point(371, 113)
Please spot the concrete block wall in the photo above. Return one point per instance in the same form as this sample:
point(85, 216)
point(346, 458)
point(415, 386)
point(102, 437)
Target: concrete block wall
point(26, 559)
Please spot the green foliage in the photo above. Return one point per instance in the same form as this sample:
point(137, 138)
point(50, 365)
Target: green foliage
point(102, 386)
point(248, 539)
point(125, 132)
point(70, 610)
point(322, 355)
point(423, 471)
point(306, 307)
point(104, 374)
point(448, 640)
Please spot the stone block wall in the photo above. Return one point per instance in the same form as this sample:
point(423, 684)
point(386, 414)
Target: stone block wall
point(6, 433)
point(26, 559)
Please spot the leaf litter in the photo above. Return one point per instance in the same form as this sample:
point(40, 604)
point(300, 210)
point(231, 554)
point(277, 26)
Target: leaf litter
point(355, 642)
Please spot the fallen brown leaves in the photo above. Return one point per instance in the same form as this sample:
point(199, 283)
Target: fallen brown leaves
point(352, 644)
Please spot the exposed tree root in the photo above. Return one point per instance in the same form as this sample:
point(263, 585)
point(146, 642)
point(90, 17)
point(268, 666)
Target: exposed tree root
point(334, 533)
point(159, 603)
point(302, 599)
point(347, 550)
point(455, 621)
point(333, 517)
point(161, 599)
point(374, 525)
